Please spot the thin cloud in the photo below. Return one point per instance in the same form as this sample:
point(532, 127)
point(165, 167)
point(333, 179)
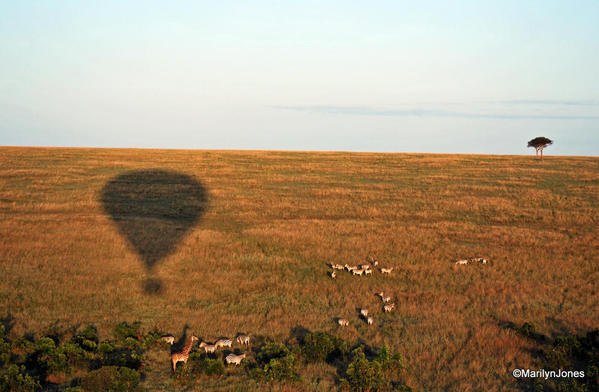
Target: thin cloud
point(548, 102)
point(367, 111)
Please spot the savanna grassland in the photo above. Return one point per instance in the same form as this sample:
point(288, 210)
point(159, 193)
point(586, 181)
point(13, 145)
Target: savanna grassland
point(256, 259)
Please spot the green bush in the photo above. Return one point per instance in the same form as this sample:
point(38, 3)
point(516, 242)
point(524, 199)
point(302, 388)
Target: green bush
point(4, 348)
point(125, 330)
point(152, 337)
point(21, 347)
point(122, 357)
point(568, 352)
point(321, 346)
point(87, 338)
point(121, 354)
point(184, 376)
point(112, 378)
point(576, 352)
point(283, 368)
point(271, 350)
point(275, 362)
point(364, 375)
point(211, 367)
point(527, 329)
point(254, 370)
point(131, 343)
point(15, 379)
point(389, 361)
point(106, 347)
point(47, 358)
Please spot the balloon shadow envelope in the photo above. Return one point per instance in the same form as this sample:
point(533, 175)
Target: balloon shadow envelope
point(154, 209)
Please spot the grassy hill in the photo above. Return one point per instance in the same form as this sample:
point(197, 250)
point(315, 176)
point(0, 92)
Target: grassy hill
point(255, 259)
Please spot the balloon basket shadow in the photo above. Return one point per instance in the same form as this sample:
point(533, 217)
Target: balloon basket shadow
point(153, 286)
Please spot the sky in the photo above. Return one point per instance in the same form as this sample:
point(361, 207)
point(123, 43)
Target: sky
point(392, 76)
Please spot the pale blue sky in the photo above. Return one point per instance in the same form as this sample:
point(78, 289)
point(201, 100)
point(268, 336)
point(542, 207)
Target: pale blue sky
point(447, 76)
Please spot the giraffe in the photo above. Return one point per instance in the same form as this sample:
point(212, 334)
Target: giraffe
point(183, 354)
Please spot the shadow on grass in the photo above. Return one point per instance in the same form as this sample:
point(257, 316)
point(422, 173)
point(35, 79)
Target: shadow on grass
point(181, 342)
point(154, 209)
point(563, 351)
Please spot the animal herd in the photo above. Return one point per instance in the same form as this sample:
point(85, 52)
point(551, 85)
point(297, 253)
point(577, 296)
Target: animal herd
point(364, 269)
point(183, 354)
point(473, 260)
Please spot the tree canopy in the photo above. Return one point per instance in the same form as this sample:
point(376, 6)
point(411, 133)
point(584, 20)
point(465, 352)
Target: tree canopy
point(540, 142)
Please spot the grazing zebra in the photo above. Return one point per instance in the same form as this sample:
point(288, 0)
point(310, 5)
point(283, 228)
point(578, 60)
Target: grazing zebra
point(209, 348)
point(236, 359)
point(223, 343)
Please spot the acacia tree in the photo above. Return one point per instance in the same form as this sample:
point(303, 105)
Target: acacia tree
point(539, 143)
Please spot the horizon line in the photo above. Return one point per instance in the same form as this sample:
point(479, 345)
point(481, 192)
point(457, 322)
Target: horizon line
point(284, 150)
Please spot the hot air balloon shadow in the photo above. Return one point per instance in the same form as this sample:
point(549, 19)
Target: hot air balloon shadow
point(154, 209)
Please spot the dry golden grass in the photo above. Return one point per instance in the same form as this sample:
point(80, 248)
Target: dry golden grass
point(257, 260)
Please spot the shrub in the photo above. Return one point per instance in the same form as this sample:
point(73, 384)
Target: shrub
point(152, 337)
point(106, 347)
point(87, 338)
point(47, 358)
point(271, 350)
point(125, 330)
point(529, 331)
point(183, 376)
point(4, 348)
point(364, 375)
point(321, 346)
point(76, 355)
point(22, 346)
point(131, 343)
point(15, 379)
point(111, 378)
point(389, 361)
point(127, 353)
point(580, 352)
point(122, 357)
point(569, 352)
point(283, 368)
point(276, 362)
point(212, 367)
